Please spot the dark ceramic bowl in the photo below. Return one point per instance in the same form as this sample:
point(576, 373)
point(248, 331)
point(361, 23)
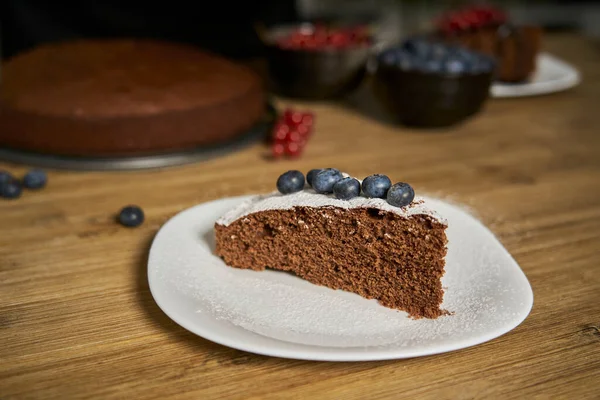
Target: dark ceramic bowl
point(313, 74)
point(430, 100)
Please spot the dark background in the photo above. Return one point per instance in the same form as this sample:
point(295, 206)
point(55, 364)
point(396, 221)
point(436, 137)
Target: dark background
point(225, 27)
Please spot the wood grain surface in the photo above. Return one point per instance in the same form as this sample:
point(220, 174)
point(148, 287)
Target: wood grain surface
point(77, 319)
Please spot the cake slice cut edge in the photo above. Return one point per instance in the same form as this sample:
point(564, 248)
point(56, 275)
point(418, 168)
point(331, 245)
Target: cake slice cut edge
point(395, 255)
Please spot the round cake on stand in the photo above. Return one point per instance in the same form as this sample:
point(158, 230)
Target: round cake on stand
point(123, 104)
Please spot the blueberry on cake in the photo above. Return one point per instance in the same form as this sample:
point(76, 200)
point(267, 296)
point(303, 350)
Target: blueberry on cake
point(372, 238)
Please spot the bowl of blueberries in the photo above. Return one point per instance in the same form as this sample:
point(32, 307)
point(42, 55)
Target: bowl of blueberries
point(317, 61)
point(427, 83)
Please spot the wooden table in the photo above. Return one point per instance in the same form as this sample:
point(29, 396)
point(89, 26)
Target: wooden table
point(77, 319)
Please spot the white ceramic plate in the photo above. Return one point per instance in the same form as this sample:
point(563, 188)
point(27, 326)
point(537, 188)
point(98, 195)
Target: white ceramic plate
point(278, 314)
point(552, 75)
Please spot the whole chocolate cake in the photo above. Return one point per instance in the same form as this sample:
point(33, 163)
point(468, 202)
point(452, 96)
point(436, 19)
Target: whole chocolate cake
point(363, 245)
point(122, 97)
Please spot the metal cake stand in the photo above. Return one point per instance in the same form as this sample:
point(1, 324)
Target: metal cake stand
point(256, 133)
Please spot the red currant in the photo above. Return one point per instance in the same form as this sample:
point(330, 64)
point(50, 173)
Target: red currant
point(292, 117)
point(319, 37)
point(338, 39)
point(293, 149)
point(308, 119)
point(281, 132)
point(291, 133)
point(303, 130)
point(471, 18)
point(278, 150)
point(293, 136)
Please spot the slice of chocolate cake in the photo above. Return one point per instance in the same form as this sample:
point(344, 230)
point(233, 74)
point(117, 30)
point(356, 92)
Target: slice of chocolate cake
point(362, 245)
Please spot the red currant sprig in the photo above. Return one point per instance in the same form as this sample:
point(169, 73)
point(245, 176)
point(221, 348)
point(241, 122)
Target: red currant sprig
point(291, 133)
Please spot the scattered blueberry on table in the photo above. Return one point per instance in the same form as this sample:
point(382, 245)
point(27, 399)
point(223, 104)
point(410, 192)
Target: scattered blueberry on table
point(376, 186)
point(323, 181)
point(11, 189)
point(131, 216)
point(400, 194)
point(346, 188)
point(35, 179)
point(434, 57)
point(290, 182)
point(311, 175)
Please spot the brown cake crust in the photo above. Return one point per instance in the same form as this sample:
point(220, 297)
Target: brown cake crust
point(376, 254)
point(111, 97)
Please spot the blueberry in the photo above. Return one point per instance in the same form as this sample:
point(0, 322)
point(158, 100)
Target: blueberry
point(418, 46)
point(400, 194)
point(290, 182)
point(323, 182)
point(5, 176)
point(438, 51)
point(406, 62)
point(455, 66)
point(346, 188)
point(10, 189)
point(463, 54)
point(433, 66)
point(389, 58)
point(131, 216)
point(376, 186)
point(35, 179)
point(311, 175)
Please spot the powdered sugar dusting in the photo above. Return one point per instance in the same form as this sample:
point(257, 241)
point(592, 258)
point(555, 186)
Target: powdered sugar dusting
point(309, 198)
point(485, 289)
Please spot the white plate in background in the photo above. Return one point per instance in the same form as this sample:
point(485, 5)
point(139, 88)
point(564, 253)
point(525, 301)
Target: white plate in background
point(552, 75)
point(277, 314)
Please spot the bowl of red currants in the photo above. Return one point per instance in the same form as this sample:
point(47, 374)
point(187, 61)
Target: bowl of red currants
point(426, 83)
point(317, 61)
